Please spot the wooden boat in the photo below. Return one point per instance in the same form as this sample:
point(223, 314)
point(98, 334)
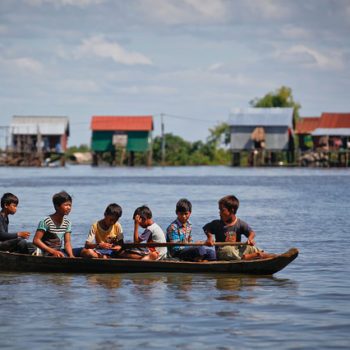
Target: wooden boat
point(29, 263)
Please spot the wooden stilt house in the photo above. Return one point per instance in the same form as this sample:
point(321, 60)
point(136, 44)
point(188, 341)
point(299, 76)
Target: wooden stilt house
point(36, 139)
point(119, 139)
point(262, 134)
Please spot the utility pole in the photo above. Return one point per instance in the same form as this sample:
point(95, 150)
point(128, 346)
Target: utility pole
point(163, 138)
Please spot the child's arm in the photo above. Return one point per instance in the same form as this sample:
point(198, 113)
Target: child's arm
point(136, 229)
point(5, 236)
point(210, 239)
point(23, 234)
point(251, 237)
point(68, 245)
point(117, 246)
point(40, 244)
point(172, 234)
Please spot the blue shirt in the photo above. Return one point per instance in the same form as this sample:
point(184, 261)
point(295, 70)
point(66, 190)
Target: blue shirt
point(178, 232)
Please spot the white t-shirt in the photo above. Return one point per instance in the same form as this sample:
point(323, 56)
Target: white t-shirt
point(156, 234)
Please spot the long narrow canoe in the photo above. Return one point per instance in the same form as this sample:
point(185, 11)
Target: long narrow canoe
point(29, 263)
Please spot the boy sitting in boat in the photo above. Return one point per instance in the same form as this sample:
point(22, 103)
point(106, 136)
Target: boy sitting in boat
point(106, 235)
point(230, 229)
point(12, 242)
point(152, 233)
point(55, 229)
point(180, 230)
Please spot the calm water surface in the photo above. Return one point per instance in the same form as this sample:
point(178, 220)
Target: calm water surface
point(305, 306)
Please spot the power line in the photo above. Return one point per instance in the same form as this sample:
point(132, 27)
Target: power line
point(187, 118)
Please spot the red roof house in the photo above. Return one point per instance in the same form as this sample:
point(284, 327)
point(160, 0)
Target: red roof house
point(122, 123)
point(131, 132)
point(307, 125)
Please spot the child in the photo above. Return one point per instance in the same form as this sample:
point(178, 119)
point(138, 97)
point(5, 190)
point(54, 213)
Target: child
point(12, 242)
point(56, 228)
point(153, 233)
point(230, 229)
point(106, 235)
point(180, 230)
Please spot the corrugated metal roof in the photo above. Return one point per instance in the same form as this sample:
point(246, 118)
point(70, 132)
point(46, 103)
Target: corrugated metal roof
point(331, 132)
point(335, 120)
point(31, 125)
point(261, 117)
point(122, 123)
point(307, 124)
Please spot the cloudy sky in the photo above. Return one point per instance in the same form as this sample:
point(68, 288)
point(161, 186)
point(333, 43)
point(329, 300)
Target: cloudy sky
point(193, 60)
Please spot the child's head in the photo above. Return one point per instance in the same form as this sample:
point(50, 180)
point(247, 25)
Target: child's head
point(230, 203)
point(9, 201)
point(145, 215)
point(183, 210)
point(112, 214)
point(62, 202)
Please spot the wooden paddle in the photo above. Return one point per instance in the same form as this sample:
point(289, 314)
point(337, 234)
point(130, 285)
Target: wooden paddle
point(179, 244)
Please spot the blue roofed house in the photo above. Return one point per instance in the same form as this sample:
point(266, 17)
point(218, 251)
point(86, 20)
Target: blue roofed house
point(263, 132)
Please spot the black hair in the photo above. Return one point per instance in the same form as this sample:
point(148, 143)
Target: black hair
point(114, 210)
point(60, 198)
point(183, 205)
point(230, 202)
point(144, 212)
point(8, 198)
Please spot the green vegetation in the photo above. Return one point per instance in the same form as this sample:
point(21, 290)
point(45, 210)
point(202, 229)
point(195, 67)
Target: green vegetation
point(181, 152)
point(282, 97)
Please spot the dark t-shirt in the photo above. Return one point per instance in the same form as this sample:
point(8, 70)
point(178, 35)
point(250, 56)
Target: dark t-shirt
point(225, 233)
point(4, 224)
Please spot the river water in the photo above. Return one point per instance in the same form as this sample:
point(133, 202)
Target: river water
point(304, 306)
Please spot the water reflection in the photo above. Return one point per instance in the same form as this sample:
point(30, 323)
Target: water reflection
point(179, 283)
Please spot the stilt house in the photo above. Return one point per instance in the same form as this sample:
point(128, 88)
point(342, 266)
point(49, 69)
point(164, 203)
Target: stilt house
point(121, 136)
point(39, 134)
point(262, 131)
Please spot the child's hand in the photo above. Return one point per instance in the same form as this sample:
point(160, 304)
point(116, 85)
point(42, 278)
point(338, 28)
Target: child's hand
point(23, 234)
point(250, 242)
point(58, 254)
point(117, 248)
point(137, 220)
point(104, 245)
point(209, 242)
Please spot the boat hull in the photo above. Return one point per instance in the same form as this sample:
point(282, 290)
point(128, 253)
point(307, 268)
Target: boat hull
point(28, 263)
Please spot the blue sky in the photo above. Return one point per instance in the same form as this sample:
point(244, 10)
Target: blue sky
point(194, 59)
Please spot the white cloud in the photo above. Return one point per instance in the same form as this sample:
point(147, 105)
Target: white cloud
point(78, 3)
point(269, 9)
point(184, 11)
point(211, 9)
point(215, 66)
point(100, 47)
point(24, 64)
point(149, 90)
point(309, 57)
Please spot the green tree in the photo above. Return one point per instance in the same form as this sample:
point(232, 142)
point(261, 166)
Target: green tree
point(220, 134)
point(181, 152)
point(177, 150)
point(282, 97)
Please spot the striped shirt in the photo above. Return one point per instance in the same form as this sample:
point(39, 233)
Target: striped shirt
point(53, 234)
